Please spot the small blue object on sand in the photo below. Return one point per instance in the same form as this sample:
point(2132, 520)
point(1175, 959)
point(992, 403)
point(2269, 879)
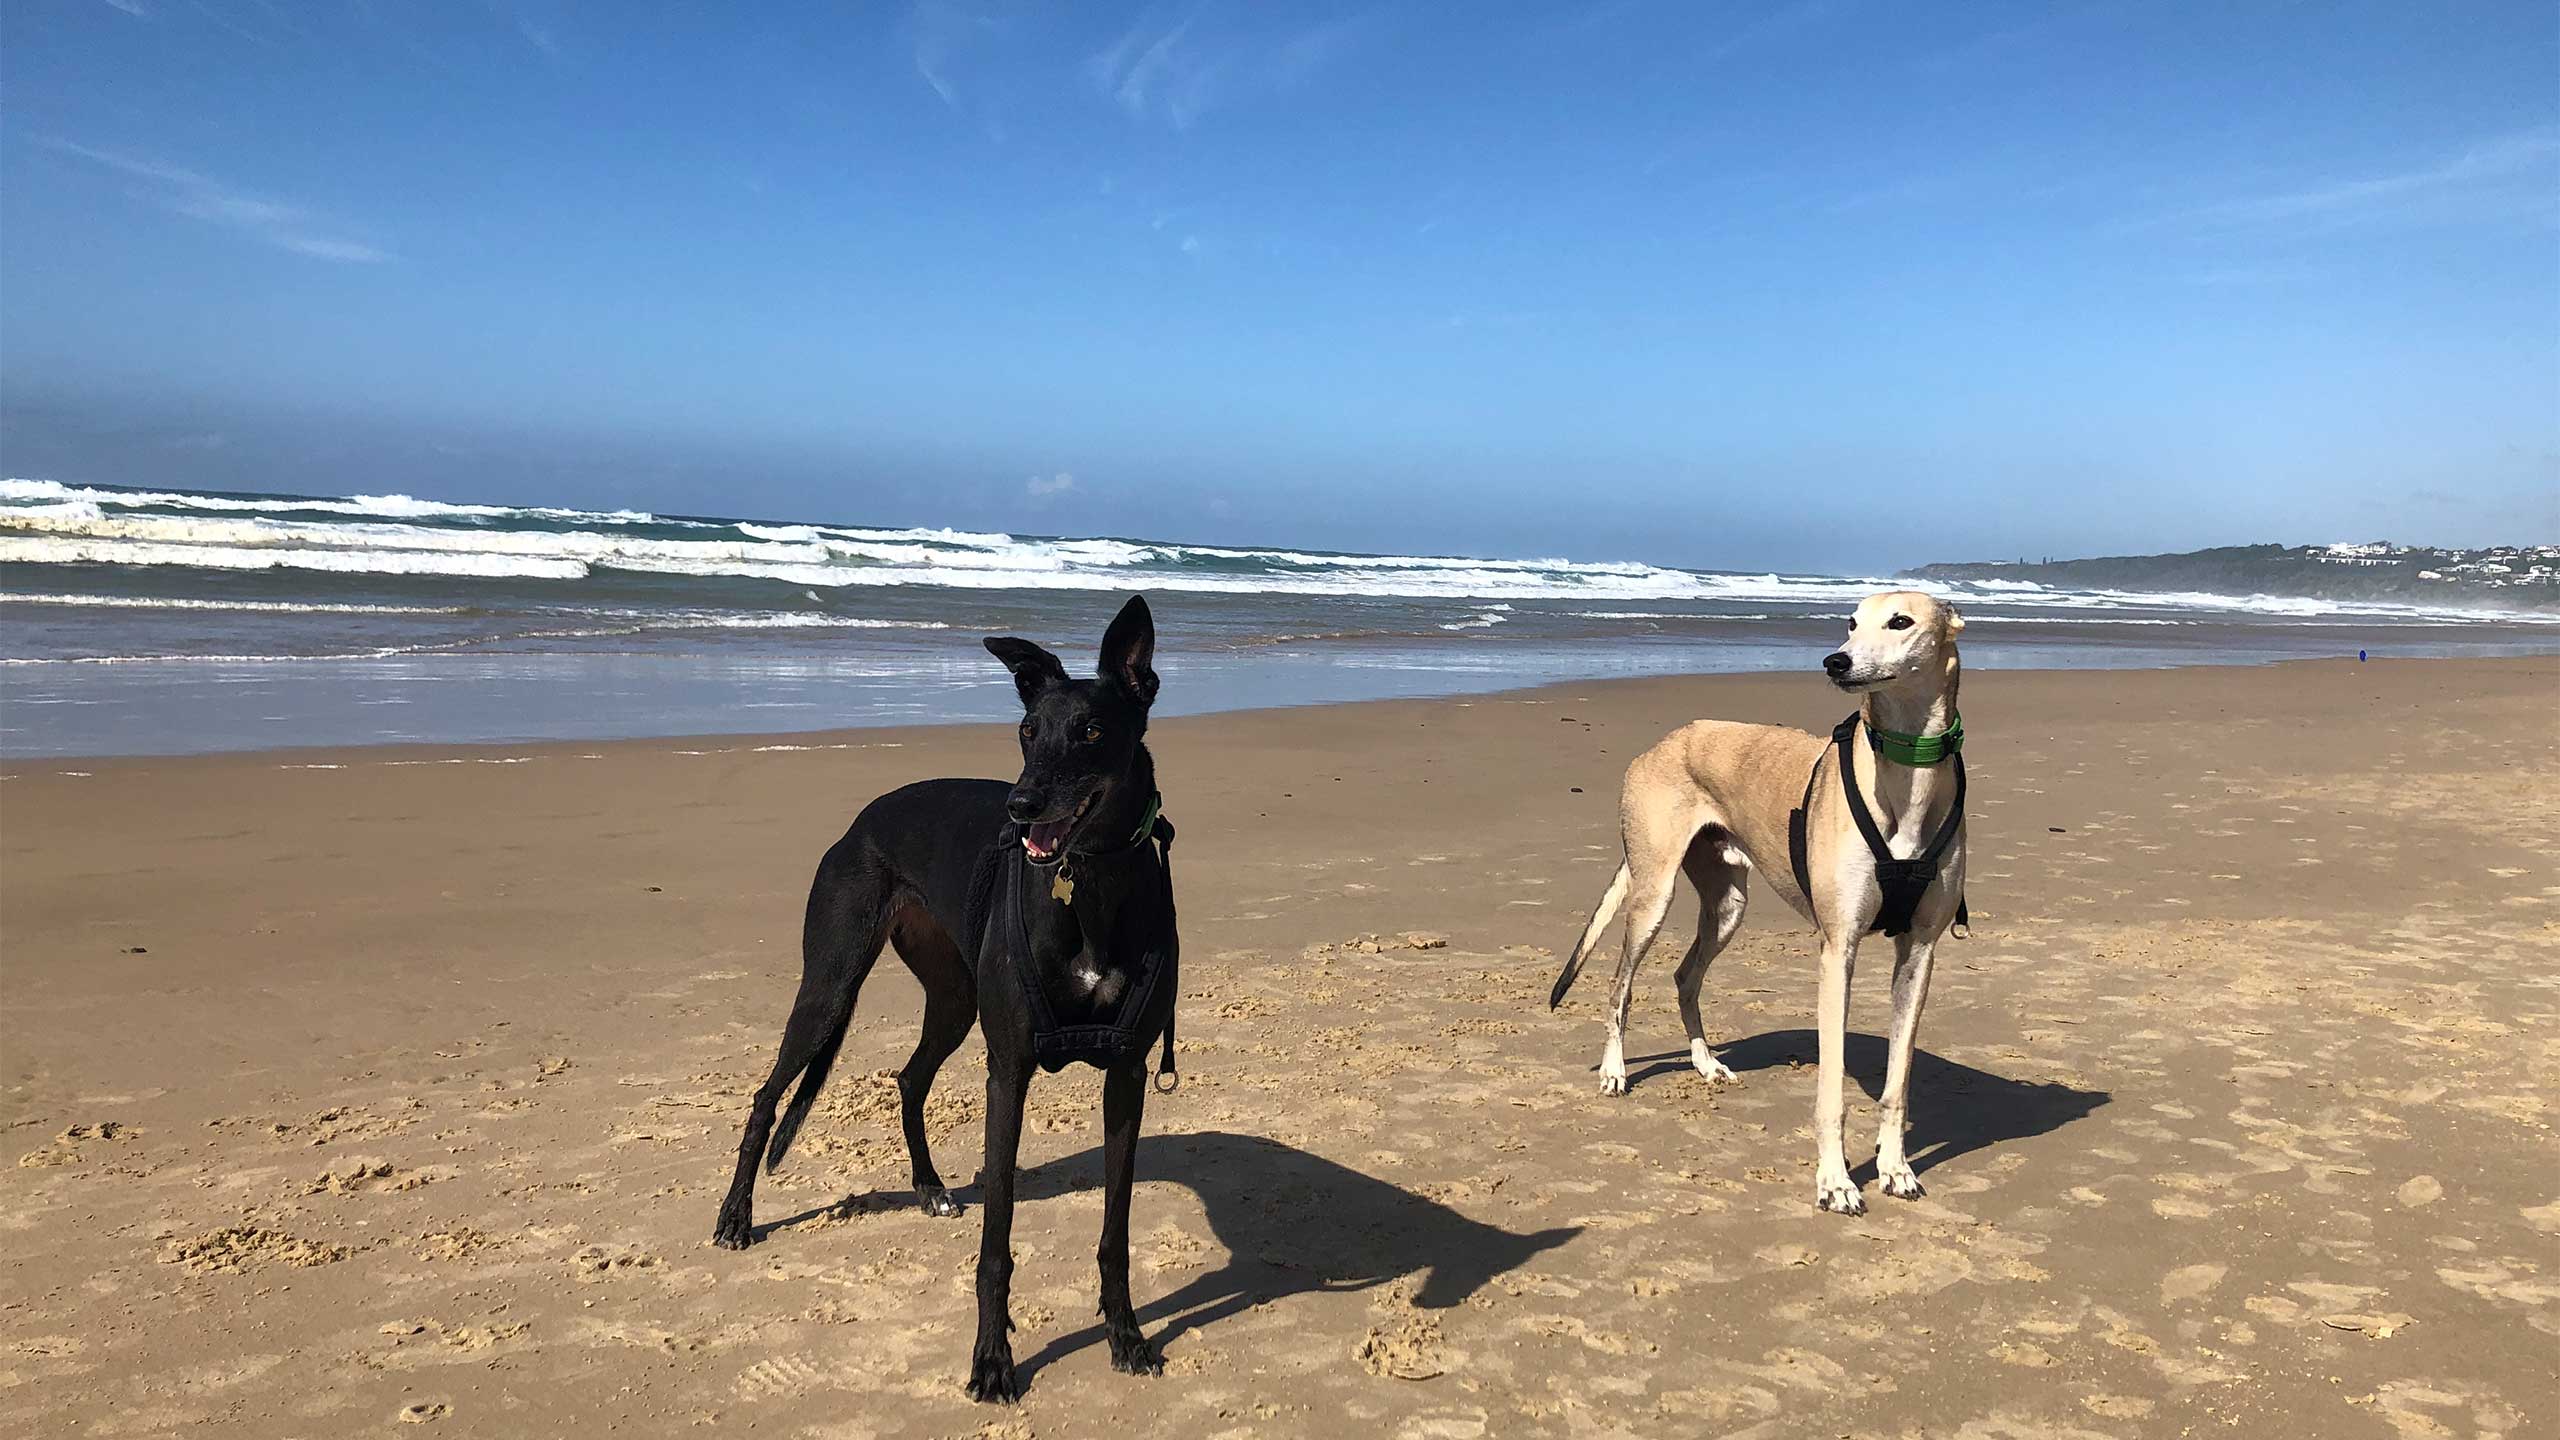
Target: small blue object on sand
point(2359, 657)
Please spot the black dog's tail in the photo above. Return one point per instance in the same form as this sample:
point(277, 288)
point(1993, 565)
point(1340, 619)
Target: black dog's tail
point(787, 1129)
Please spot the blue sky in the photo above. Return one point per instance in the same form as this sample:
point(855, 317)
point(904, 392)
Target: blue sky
point(1799, 285)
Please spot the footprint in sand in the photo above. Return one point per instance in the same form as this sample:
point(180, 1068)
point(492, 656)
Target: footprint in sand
point(779, 1378)
point(2190, 1282)
point(238, 1248)
point(598, 1262)
point(2024, 1355)
point(437, 1343)
point(354, 1176)
point(458, 1243)
point(1404, 1342)
point(71, 1146)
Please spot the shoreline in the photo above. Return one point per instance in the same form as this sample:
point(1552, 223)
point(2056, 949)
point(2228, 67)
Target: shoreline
point(896, 735)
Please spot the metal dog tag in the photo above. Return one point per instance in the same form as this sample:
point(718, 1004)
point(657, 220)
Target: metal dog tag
point(1062, 888)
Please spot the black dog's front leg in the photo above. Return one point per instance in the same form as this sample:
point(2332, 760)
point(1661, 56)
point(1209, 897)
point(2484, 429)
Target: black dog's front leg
point(991, 1374)
point(1124, 1105)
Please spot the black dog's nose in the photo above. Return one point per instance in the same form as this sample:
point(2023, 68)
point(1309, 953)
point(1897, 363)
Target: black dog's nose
point(1024, 804)
point(1836, 664)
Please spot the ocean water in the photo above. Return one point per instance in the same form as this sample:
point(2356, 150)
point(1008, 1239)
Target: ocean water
point(138, 621)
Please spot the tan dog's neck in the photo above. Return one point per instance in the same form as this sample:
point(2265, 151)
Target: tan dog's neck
point(1912, 708)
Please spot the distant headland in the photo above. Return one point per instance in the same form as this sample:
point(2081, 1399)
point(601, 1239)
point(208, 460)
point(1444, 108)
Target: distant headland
point(2524, 577)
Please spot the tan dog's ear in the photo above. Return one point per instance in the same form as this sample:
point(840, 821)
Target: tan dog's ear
point(1955, 620)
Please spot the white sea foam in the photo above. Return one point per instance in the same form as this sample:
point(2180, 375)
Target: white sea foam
point(45, 522)
point(279, 607)
point(14, 492)
point(1719, 617)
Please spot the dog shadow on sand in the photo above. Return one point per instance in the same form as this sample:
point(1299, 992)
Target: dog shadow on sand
point(1294, 1223)
point(1291, 1223)
point(1955, 1109)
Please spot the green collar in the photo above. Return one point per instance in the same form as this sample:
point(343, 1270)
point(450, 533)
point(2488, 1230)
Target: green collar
point(1919, 750)
point(1147, 822)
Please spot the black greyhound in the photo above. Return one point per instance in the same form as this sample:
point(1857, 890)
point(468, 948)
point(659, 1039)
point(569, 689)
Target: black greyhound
point(1044, 911)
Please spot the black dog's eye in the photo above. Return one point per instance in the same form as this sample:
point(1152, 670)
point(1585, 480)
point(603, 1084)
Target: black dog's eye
point(1028, 729)
point(1898, 622)
point(1092, 734)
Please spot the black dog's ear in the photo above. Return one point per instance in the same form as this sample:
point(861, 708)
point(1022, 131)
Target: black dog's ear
point(1129, 651)
point(1034, 669)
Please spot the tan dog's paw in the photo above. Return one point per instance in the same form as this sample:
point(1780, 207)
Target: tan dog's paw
point(1613, 1070)
point(1838, 1196)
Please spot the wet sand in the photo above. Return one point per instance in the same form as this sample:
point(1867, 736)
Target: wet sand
point(353, 1088)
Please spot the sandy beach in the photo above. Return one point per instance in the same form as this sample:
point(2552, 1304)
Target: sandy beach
point(358, 1087)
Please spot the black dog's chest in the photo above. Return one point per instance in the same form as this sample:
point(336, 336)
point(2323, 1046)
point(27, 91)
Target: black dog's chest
point(1095, 973)
point(1084, 982)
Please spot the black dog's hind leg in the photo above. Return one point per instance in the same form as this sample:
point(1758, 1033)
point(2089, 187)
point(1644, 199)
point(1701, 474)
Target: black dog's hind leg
point(1124, 1105)
point(991, 1374)
point(838, 943)
point(948, 1015)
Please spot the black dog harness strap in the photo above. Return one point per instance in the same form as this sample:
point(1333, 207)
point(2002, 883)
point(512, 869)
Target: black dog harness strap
point(1054, 1046)
point(1903, 882)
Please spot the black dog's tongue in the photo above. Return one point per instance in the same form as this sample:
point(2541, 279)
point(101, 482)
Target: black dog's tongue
point(1044, 838)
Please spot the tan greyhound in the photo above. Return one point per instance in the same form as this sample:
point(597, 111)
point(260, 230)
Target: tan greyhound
point(1717, 801)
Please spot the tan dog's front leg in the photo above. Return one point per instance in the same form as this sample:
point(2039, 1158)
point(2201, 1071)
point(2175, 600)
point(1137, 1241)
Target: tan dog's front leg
point(1832, 1189)
point(1910, 993)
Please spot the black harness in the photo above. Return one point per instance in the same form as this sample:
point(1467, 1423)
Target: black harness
point(1903, 882)
point(1102, 1044)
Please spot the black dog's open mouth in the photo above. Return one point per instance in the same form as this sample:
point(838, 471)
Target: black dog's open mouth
point(1043, 839)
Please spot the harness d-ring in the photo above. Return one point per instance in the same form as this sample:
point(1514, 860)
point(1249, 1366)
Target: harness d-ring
point(1167, 1081)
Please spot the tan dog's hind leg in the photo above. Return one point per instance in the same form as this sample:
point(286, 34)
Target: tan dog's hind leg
point(1649, 903)
point(1832, 1188)
point(1911, 961)
point(1723, 892)
point(1656, 825)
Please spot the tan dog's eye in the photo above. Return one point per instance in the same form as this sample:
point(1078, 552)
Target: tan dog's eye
point(1092, 734)
point(1898, 622)
point(1853, 624)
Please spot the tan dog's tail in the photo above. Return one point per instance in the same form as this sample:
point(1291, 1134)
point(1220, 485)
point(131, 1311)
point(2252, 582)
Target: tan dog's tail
point(1600, 918)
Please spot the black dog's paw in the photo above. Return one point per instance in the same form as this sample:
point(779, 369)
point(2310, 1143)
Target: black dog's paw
point(938, 1201)
point(735, 1231)
point(1132, 1353)
point(991, 1378)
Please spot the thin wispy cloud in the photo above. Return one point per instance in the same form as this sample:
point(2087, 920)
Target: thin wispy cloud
point(201, 197)
point(134, 8)
point(942, 33)
point(2503, 176)
point(541, 31)
point(1178, 66)
point(1049, 487)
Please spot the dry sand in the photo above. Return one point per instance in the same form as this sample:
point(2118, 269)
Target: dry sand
point(377, 1086)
